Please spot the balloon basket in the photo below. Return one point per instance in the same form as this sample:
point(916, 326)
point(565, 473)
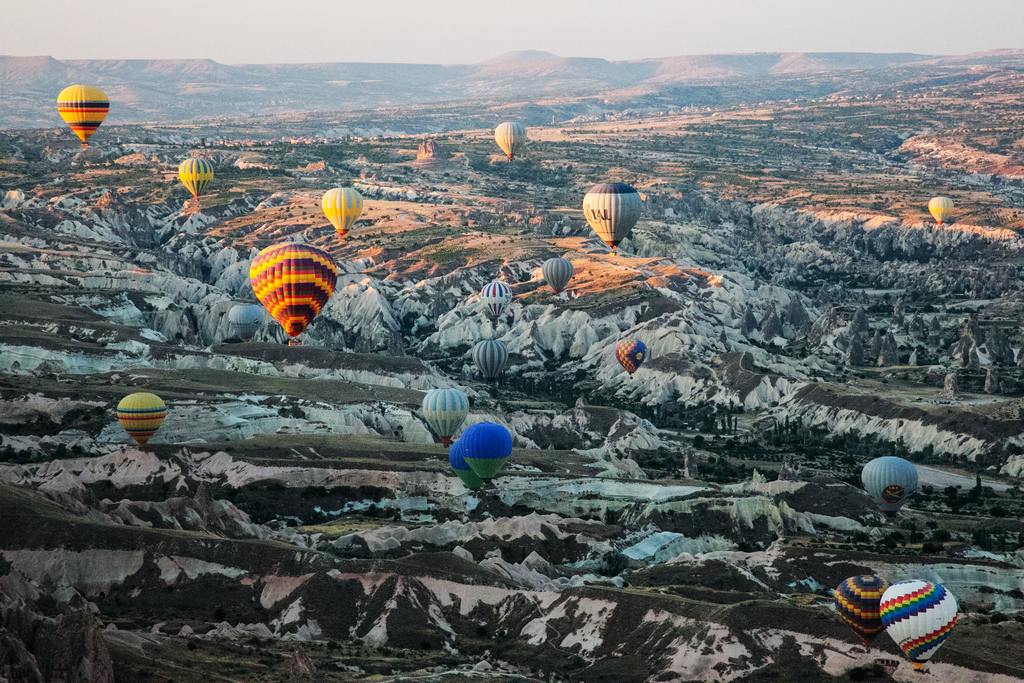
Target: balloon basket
point(294, 342)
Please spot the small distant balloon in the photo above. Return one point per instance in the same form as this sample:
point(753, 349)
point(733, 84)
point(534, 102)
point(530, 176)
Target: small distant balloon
point(487, 447)
point(557, 273)
point(490, 357)
point(631, 354)
point(83, 108)
point(612, 209)
point(244, 320)
point(141, 414)
point(940, 208)
point(445, 410)
point(342, 206)
point(495, 298)
point(195, 175)
point(511, 137)
point(889, 481)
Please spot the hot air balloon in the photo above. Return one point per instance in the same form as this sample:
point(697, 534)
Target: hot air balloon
point(511, 137)
point(495, 298)
point(631, 354)
point(244, 320)
point(445, 410)
point(83, 108)
point(490, 356)
point(611, 209)
point(293, 282)
point(457, 459)
point(919, 616)
point(195, 174)
point(487, 446)
point(858, 601)
point(342, 206)
point(557, 273)
point(889, 481)
point(141, 414)
point(940, 208)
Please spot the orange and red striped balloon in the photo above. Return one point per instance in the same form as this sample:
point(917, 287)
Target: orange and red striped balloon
point(83, 108)
point(293, 282)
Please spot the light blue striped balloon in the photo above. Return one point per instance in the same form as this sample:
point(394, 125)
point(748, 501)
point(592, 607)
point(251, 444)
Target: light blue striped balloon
point(445, 410)
point(889, 481)
point(244, 320)
point(557, 272)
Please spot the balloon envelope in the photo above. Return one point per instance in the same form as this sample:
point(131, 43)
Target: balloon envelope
point(511, 137)
point(495, 298)
point(940, 208)
point(445, 410)
point(141, 414)
point(195, 175)
point(858, 602)
point(487, 447)
point(457, 459)
point(919, 616)
point(631, 354)
point(83, 108)
point(612, 209)
point(557, 273)
point(244, 320)
point(490, 357)
point(889, 481)
point(293, 282)
point(342, 206)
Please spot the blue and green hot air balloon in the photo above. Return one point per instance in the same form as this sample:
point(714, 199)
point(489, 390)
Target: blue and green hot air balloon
point(487, 446)
point(457, 459)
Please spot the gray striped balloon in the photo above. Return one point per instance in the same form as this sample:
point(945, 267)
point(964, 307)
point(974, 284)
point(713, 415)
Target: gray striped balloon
point(557, 272)
point(445, 410)
point(490, 356)
point(244, 320)
point(612, 209)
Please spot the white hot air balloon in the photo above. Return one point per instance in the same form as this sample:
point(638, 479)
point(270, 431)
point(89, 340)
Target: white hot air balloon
point(244, 320)
point(495, 298)
point(940, 208)
point(919, 617)
point(511, 137)
point(889, 481)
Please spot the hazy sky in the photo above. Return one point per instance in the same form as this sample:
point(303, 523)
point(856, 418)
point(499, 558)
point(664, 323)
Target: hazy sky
point(460, 31)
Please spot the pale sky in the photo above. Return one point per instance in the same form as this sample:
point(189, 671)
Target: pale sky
point(465, 31)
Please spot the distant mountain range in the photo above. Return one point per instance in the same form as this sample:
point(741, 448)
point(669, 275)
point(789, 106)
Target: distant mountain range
point(168, 90)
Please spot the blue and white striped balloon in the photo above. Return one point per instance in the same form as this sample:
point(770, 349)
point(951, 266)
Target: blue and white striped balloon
point(490, 357)
point(244, 320)
point(445, 410)
point(889, 481)
point(557, 273)
point(495, 298)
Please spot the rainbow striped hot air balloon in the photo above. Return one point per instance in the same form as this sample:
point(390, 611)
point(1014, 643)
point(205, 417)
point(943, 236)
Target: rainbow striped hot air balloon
point(511, 137)
point(83, 108)
point(490, 357)
point(631, 354)
point(342, 206)
point(612, 209)
point(457, 459)
point(557, 273)
point(293, 282)
point(919, 616)
point(858, 601)
point(195, 175)
point(445, 410)
point(495, 298)
point(141, 414)
point(487, 447)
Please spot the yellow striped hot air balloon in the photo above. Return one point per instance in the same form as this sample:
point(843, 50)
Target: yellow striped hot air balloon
point(141, 414)
point(293, 282)
point(195, 174)
point(83, 108)
point(342, 206)
point(511, 137)
point(940, 208)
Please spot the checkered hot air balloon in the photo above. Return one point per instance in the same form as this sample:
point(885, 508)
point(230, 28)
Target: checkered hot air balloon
point(612, 209)
point(631, 354)
point(83, 108)
point(487, 446)
point(141, 414)
point(342, 206)
point(457, 459)
point(858, 603)
point(495, 298)
point(557, 273)
point(919, 616)
point(490, 357)
point(445, 410)
point(293, 282)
